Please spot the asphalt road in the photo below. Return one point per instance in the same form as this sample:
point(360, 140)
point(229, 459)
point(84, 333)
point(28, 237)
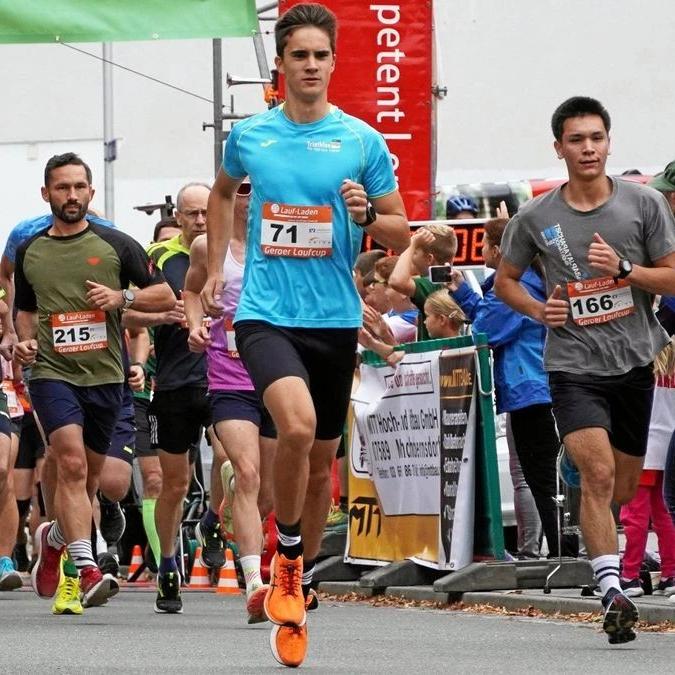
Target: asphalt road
point(211, 636)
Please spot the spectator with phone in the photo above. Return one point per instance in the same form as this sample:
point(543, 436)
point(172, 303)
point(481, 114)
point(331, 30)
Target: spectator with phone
point(521, 384)
point(430, 246)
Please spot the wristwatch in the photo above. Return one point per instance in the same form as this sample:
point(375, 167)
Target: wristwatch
point(625, 268)
point(371, 216)
point(128, 296)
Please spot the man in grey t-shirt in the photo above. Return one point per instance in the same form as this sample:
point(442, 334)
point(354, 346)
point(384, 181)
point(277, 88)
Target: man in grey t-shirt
point(607, 247)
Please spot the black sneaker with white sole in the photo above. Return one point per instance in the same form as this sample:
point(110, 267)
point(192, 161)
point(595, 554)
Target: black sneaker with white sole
point(113, 521)
point(621, 615)
point(631, 587)
point(168, 599)
point(213, 553)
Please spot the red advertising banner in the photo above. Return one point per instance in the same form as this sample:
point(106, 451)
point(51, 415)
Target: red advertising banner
point(384, 76)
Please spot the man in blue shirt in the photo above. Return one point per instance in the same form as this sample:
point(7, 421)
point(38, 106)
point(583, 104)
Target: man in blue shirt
point(320, 178)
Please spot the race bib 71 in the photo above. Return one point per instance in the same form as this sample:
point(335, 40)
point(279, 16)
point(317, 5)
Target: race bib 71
point(296, 231)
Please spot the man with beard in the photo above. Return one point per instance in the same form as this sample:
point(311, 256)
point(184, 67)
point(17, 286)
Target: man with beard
point(71, 281)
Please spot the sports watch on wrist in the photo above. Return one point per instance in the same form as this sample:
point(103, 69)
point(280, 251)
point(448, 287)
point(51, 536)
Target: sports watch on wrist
point(371, 216)
point(625, 268)
point(128, 296)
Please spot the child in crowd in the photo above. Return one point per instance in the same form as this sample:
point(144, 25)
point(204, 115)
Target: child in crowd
point(443, 316)
point(430, 245)
point(648, 502)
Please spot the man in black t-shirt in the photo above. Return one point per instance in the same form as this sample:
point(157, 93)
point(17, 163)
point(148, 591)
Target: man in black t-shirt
point(179, 408)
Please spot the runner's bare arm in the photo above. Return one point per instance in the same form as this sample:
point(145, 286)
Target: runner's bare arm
point(134, 319)
point(390, 229)
point(508, 288)
point(659, 279)
point(139, 350)
point(219, 219)
point(9, 337)
point(151, 298)
point(194, 282)
point(198, 338)
point(25, 349)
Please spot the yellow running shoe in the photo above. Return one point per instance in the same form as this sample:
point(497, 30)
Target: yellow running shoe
point(67, 594)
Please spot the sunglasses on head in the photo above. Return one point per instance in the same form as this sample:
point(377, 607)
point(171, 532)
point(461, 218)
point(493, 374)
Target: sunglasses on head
point(244, 190)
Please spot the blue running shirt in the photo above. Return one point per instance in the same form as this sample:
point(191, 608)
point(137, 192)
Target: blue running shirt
point(24, 230)
point(302, 243)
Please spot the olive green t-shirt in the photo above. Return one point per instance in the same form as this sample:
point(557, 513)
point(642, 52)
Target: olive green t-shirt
point(76, 343)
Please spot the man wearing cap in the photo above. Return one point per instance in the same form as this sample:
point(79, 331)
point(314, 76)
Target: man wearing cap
point(664, 182)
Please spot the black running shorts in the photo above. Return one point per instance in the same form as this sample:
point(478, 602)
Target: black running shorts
point(177, 418)
point(323, 357)
point(31, 445)
point(621, 404)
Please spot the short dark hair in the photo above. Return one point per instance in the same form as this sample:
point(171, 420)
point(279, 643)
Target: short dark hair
point(578, 106)
point(171, 222)
point(305, 14)
point(365, 262)
point(57, 161)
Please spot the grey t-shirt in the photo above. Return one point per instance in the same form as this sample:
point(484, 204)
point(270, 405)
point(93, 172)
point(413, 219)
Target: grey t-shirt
point(638, 224)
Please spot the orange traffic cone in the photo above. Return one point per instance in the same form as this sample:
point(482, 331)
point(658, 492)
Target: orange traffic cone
point(199, 578)
point(136, 561)
point(227, 582)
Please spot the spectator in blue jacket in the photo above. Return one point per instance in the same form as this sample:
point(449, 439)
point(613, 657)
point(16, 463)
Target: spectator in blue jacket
point(521, 384)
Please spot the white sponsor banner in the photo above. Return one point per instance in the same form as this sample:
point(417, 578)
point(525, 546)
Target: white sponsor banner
point(398, 419)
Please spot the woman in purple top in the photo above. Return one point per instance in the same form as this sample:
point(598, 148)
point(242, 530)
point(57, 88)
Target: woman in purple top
point(242, 423)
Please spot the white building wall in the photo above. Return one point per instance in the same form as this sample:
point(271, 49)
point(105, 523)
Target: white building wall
point(506, 64)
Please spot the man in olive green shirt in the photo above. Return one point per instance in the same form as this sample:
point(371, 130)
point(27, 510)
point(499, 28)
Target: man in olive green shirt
point(71, 282)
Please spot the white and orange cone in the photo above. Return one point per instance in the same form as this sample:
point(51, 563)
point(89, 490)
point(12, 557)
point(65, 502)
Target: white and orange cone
point(136, 561)
point(199, 578)
point(227, 582)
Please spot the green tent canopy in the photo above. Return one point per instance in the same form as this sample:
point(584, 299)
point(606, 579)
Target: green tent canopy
point(32, 21)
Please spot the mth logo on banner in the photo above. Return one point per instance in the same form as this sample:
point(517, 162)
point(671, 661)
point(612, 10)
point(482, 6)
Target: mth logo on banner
point(383, 75)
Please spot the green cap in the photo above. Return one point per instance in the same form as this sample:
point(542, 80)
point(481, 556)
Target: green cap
point(664, 181)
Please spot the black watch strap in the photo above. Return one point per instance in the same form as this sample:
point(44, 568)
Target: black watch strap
point(371, 216)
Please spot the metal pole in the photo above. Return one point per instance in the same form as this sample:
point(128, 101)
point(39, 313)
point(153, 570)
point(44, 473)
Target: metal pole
point(263, 67)
point(109, 149)
point(217, 104)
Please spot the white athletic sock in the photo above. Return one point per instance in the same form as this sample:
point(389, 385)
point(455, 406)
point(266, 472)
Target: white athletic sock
point(606, 570)
point(55, 537)
point(250, 566)
point(101, 544)
point(80, 552)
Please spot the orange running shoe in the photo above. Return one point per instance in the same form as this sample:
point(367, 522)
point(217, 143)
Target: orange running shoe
point(255, 605)
point(284, 602)
point(289, 644)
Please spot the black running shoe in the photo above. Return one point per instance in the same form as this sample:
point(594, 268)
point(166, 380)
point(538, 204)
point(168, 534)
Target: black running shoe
point(621, 615)
point(168, 594)
point(108, 564)
point(213, 555)
point(21, 558)
point(113, 521)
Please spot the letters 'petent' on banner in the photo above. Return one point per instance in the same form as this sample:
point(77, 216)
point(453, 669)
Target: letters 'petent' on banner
point(114, 20)
point(384, 76)
point(412, 461)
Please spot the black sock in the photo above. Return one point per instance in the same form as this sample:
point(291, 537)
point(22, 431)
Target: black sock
point(307, 574)
point(289, 541)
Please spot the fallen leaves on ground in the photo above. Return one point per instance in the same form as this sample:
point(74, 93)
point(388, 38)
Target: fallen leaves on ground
point(580, 617)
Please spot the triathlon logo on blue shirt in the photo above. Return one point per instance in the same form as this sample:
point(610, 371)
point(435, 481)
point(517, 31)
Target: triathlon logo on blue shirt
point(325, 146)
